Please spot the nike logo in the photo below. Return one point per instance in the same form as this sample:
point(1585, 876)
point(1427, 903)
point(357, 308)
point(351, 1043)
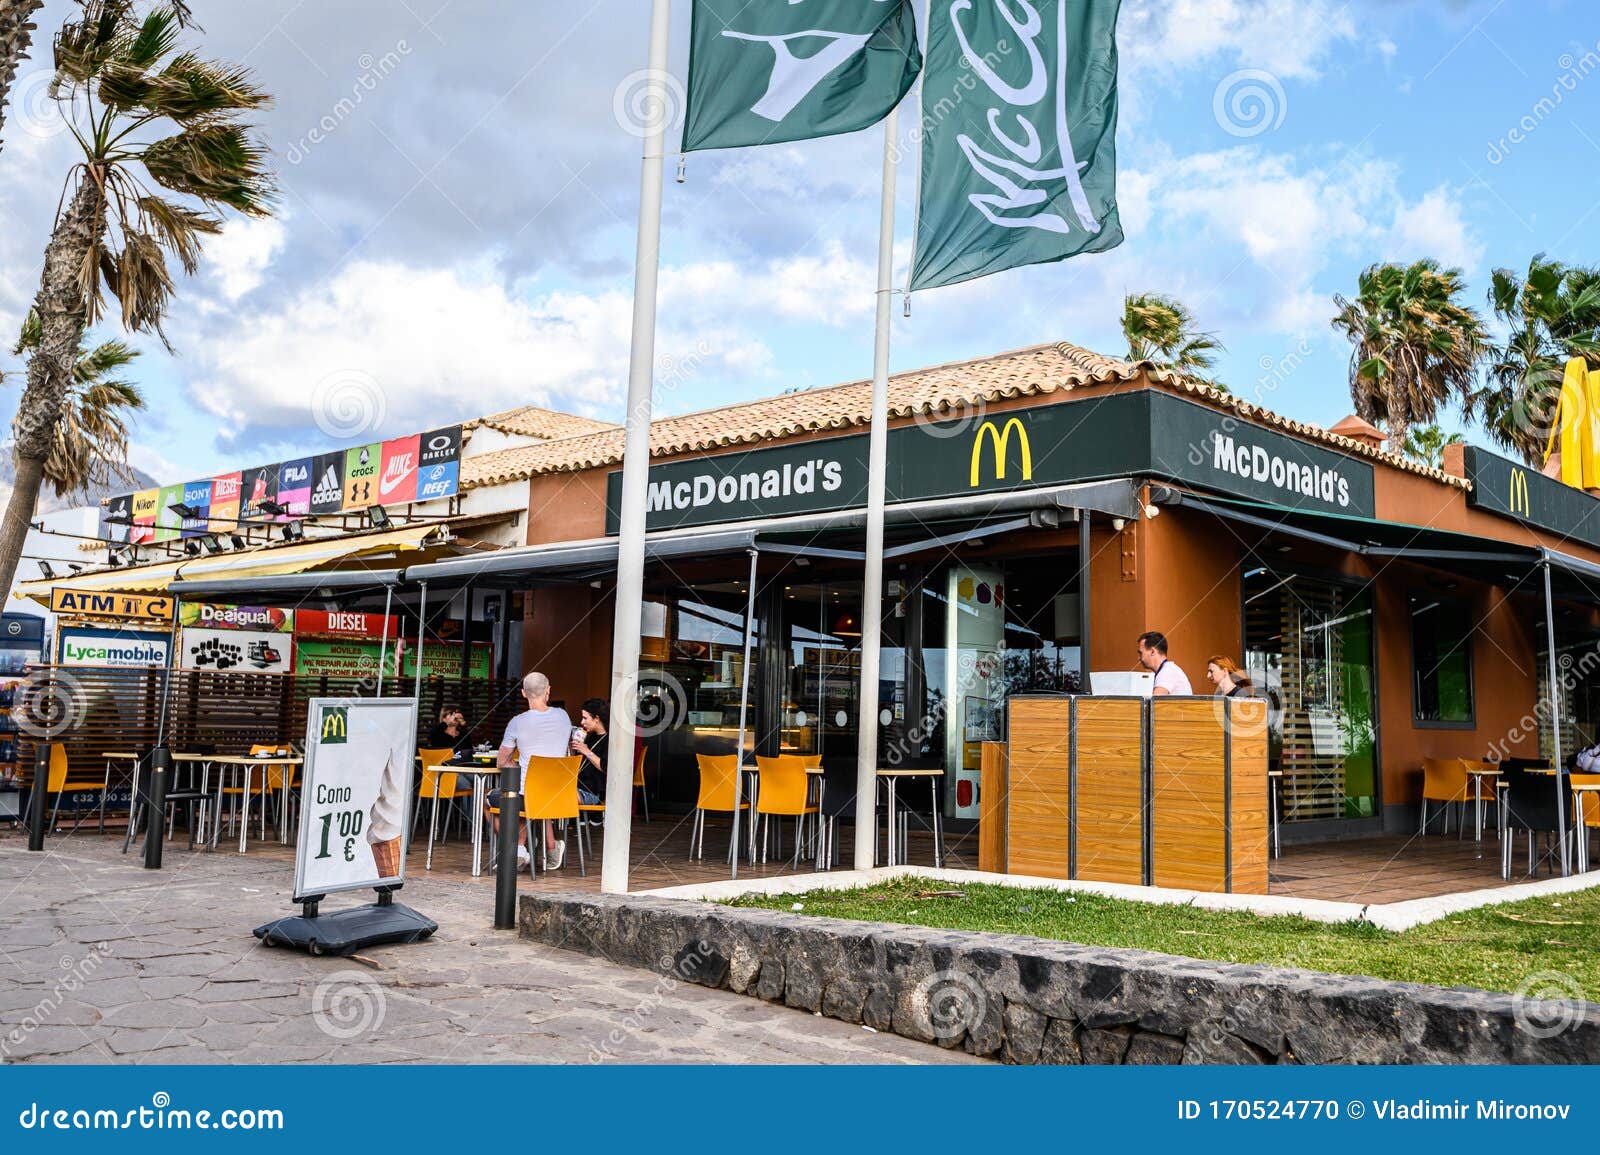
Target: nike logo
point(399, 469)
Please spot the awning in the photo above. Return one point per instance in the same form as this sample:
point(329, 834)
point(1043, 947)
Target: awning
point(341, 553)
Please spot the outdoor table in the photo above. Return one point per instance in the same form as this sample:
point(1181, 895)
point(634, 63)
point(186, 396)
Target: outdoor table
point(112, 757)
point(249, 762)
point(1578, 791)
point(1477, 776)
point(891, 779)
point(480, 772)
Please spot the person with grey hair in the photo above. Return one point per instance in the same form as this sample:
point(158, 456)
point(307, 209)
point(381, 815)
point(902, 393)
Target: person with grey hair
point(543, 730)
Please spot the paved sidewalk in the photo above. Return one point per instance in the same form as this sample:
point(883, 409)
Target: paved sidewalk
point(101, 961)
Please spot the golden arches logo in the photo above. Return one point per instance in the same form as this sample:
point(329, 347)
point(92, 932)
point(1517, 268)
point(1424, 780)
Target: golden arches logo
point(1517, 498)
point(1000, 439)
point(335, 725)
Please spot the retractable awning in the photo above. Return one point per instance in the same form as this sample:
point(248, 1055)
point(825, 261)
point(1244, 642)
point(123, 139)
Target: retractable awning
point(340, 553)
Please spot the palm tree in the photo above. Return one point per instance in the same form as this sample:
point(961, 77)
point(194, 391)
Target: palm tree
point(120, 84)
point(1162, 332)
point(91, 445)
point(1552, 315)
point(1416, 344)
point(1425, 444)
point(16, 35)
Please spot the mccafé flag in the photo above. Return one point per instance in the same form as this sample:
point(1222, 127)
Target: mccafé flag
point(763, 71)
point(1019, 120)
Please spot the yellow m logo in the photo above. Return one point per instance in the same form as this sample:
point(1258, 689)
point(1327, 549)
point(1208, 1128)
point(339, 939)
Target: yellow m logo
point(335, 725)
point(1518, 497)
point(1000, 439)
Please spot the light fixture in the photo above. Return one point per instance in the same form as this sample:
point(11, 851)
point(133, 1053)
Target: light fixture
point(49, 574)
point(293, 532)
point(846, 625)
point(75, 566)
point(187, 512)
point(111, 560)
point(191, 547)
point(267, 505)
point(213, 544)
point(238, 542)
point(377, 517)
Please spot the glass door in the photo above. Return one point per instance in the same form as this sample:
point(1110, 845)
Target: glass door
point(1309, 649)
point(820, 700)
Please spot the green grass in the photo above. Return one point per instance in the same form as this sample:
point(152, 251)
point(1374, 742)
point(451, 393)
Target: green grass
point(1494, 948)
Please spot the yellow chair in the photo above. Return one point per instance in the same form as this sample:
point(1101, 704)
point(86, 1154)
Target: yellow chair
point(1444, 780)
point(785, 792)
point(550, 794)
point(59, 781)
point(436, 785)
point(718, 781)
point(638, 783)
point(1586, 814)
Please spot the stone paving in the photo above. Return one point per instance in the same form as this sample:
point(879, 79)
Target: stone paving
point(102, 961)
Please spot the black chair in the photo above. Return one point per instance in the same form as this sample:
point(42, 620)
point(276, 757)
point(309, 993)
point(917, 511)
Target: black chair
point(1532, 804)
point(183, 789)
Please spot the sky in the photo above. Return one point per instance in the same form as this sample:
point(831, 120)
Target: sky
point(460, 190)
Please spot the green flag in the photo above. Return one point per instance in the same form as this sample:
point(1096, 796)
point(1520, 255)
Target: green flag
point(764, 71)
point(1019, 125)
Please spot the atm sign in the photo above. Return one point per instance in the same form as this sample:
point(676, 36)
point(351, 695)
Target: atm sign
point(80, 603)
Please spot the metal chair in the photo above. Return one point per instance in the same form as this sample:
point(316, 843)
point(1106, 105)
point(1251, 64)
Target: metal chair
point(785, 793)
point(718, 778)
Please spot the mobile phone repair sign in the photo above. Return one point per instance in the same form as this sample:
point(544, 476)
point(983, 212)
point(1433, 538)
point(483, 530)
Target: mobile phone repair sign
point(357, 783)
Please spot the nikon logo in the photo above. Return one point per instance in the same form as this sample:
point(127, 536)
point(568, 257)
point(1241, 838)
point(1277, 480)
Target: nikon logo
point(1517, 495)
point(335, 725)
point(1000, 441)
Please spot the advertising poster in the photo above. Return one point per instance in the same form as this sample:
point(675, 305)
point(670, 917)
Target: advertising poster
point(361, 476)
point(357, 784)
point(443, 660)
point(327, 483)
point(260, 484)
point(267, 619)
point(294, 488)
point(116, 518)
point(346, 624)
point(225, 502)
point(128, 649)
point(235, 651)
point(440, 447)
point(169, 525)
point(436, 481)
point(197, 496)
point(397, 483)
point(145, 504)
point(331, 658)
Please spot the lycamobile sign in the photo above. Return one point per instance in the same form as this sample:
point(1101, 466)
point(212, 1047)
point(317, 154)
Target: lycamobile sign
point(87, 647)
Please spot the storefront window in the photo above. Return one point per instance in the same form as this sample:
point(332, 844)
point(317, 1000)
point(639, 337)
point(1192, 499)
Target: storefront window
point(1309, 649)
point(1441, 660)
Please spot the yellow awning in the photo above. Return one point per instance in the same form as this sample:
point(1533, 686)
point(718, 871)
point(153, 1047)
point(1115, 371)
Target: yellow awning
point(300, 557)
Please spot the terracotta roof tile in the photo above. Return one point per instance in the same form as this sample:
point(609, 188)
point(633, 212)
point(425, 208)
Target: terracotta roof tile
point(532, 421)
point(939, 391)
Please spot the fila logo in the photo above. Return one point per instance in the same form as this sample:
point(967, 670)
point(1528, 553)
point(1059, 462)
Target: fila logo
point(1000, 439)
point(399, 468)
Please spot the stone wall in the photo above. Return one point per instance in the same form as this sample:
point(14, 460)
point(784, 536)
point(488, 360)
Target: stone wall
point(1027, 1000)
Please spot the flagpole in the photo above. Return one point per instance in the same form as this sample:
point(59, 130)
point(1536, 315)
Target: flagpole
point(877, 477)
point(636, 469)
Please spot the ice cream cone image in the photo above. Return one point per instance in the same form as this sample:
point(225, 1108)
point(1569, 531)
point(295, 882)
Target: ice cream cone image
point(387, 857)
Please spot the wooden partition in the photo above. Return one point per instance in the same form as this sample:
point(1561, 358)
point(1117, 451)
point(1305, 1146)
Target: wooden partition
point(1162, 792)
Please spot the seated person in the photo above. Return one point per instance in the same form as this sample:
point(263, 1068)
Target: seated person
point(589, 743)
point(450, 731)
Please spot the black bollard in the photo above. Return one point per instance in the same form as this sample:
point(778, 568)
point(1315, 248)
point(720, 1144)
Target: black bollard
point(36, 795)
point(505, 879)
point(155, 823)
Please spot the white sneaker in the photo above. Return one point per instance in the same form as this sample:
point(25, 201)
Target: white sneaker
point(523, 858)
point(557, 856)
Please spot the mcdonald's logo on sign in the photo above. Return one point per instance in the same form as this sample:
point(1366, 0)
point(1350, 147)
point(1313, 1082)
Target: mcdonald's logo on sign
point(335, 725)
point(1517, 498)
point(1000, 439)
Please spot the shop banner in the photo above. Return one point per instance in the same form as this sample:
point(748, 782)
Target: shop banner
point(129, 649)
point(1019, 122)
point(327, 483)
point(169, 525)
point(361, 476)
point(443, 660)
point(225, 501)
point(235, 651)
point(346, 623)
point(357, 785)
point(436, 481)
point(267, 619)
point(197, 496)
point(1511, 490)
point(78, 603)
point(145, 504)
point(294, 488)
point(116, 518)
point(317, 657)
point(397, 484)
point(849, 65)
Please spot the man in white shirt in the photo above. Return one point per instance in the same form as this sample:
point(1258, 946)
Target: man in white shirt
point(541, 730)
point(1153, 657)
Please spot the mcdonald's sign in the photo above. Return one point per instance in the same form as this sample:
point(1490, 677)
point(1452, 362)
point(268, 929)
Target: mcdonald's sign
point(1517, 494)
point(335, 725)
point(1000, 440)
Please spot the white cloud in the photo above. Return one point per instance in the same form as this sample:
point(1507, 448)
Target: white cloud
point(239, 257)
point(1292, 39)
point(1433, 227)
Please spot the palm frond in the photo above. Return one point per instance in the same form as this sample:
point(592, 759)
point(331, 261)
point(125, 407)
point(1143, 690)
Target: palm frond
point(215, 163)
point(178, 228)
